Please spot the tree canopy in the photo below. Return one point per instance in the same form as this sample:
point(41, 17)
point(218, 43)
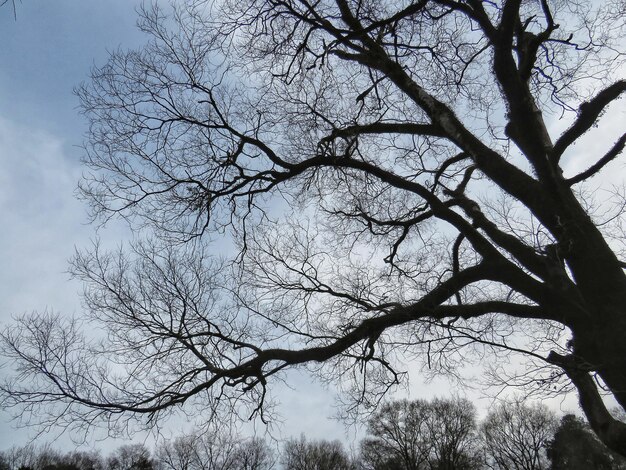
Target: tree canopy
point(300, 454)
point(345, 185)
point(517, 436)
point(575, 447)
point(402, 435)
point(415, 435)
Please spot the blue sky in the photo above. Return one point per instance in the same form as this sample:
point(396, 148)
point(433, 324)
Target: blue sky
point(44, 53)
point(47, 51)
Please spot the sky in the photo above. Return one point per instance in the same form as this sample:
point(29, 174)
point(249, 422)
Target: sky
point(44, 53)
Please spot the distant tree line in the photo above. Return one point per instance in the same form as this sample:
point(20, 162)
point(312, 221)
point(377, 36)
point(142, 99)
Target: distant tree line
point(207, 451)
point(442, 434)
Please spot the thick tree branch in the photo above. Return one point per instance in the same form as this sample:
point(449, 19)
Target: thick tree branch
point(477, 309)
point(615, 151)
point(417, 129)
point(407, 12)
point(428, 307)
point(527, 256)
point(508, 21)
point(507, 271)
point(611, 431)
point(506, 175)
point(587, 115)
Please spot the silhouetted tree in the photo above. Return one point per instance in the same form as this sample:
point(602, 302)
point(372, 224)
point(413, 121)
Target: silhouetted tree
point(44, 457)
point(130, 457)
point(382, 179)
point(374, 456)
point(254, 454)
point(181, 453)
point(85, 460)
point(215, 450)
point(415, 435)
point(453, 433)
point(28, 456)
point(575, 447)
point(398, 436)
point(300, 454)
point(516, 435)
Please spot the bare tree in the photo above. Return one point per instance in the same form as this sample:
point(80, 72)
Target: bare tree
point(300, 454)
point(85, 460)
point(254, 454)
point(179, 454)
point(22, 457)
point(382, 182)
point(215, 450)
point(452, 427)
point(44, 457)
point(575, 447)
point(516, 436)
point(398, 437)
point(417, 435)
point(130, 457)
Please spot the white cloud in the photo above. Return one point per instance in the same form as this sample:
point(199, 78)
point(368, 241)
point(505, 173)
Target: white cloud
point(41, 221)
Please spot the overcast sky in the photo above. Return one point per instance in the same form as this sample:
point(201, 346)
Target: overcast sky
point(47, 51)
point(44, 53)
